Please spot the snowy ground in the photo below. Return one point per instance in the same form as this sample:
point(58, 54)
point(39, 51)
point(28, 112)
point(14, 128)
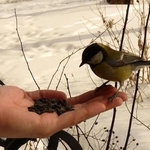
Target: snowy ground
point(51, 30)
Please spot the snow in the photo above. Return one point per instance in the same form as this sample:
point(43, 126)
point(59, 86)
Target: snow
point(50, 31)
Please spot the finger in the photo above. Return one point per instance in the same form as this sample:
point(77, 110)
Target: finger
point(87, 110)
point(81, 98)
point(104, 100)
point(46, 94)
point(91, 94)
point(104, 90)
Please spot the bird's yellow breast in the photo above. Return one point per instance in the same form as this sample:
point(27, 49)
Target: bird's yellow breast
point(107, 72)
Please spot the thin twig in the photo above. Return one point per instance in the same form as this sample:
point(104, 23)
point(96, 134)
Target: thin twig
point(93, 125)
point(145, 33)
point(68, 88)
point(85, 137)
point(135, 117)
point(62, 72)
point(125, 24)
point(78, 133)
point(23, 51)
point(111, 128)
point(68, 57)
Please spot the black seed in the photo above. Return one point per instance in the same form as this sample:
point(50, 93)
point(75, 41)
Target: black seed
point(44, 105)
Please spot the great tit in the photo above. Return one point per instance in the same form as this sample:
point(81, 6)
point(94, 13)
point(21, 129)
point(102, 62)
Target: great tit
point(110, 64)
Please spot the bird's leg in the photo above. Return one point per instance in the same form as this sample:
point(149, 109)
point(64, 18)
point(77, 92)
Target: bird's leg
point(114, 95)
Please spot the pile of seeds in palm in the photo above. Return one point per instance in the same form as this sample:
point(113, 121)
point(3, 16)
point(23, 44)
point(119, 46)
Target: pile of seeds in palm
point(45, 105)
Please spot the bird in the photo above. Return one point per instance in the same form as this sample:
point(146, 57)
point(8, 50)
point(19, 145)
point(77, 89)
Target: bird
point(111, 64)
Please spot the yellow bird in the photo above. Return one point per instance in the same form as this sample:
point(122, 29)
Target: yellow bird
point(110, 64)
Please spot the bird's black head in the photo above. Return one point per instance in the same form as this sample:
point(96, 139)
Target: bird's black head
point(93, 55)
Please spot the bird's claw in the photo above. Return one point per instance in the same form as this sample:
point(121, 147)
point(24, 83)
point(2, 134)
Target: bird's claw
point(110, 99)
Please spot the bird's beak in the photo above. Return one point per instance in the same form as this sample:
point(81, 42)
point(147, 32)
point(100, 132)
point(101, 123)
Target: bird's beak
point(82, 63)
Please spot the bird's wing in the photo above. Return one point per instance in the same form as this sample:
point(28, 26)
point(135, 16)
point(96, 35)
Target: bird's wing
point(118, 58)
point(123, 59)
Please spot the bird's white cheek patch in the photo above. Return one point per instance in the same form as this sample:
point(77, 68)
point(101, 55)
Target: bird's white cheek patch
point(97, 59)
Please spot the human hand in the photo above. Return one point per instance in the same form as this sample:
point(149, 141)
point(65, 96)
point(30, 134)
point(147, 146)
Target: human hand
point(17, 122)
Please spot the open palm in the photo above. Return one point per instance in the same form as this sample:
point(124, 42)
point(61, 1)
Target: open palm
point(17, 122)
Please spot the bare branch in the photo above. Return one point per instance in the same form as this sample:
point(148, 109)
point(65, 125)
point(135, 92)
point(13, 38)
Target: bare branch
point(23, 51)
point(137, 83)
point(68, 88)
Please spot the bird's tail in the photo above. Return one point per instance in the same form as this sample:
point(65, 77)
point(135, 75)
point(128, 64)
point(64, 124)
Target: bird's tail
point(140, 64)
